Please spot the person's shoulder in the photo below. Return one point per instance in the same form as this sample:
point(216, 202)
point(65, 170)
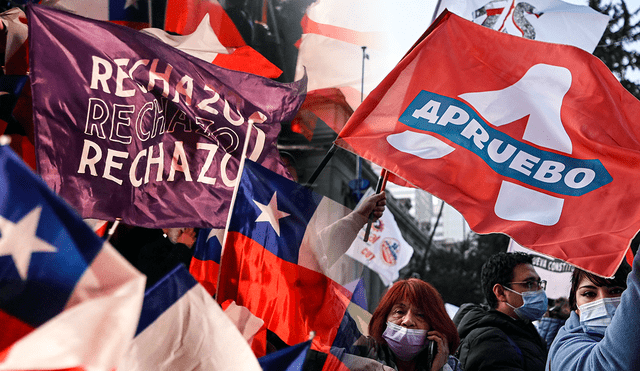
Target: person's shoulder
point(462, 312)
point(474, 316)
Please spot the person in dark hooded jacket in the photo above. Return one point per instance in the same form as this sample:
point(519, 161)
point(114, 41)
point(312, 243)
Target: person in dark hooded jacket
point(500, 336)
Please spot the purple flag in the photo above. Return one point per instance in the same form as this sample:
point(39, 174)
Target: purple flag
point(129, 127)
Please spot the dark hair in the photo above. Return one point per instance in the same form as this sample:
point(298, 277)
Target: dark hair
point(499, 269)
point(422, 295)
point(619, 279)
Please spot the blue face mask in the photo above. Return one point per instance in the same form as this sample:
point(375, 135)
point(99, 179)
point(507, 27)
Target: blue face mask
point(597, 315)
point(535, 304)
point(404, 343)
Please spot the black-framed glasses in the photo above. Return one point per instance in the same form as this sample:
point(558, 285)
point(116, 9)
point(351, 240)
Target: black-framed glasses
point(532, 285)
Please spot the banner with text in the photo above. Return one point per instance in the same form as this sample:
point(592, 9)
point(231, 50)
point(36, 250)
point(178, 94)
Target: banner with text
point(129, 127)
point(556, 272)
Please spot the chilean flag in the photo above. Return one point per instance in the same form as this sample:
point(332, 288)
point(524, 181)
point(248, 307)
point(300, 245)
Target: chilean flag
point(205, 263)
point(195, 333)
point(183, 18)
point(205, 44)
point(69, 300)
point(535, 140)
point(130, 13)
point(284, 258)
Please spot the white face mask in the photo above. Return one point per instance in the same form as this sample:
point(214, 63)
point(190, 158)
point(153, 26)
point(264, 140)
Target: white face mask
point(596, 315)
point(404, 343)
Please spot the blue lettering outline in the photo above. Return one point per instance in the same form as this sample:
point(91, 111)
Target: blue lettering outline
point(453, 133)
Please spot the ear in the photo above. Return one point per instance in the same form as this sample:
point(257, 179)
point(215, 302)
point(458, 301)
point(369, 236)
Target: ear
point(498, 291)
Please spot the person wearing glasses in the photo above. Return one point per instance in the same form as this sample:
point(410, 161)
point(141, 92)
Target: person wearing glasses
point(602, 331)
point(500, 336)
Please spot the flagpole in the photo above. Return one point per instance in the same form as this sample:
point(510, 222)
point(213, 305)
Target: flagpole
point(112, 230)
point(233, 197)
point(435, 11)
point(359, 160)
point(150, 7)
point(320, 167)
point(382, 182)
point(433, 232)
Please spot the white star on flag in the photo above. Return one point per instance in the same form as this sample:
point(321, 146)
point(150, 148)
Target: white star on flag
point(133, 3)
point(271, 214)
point(217, 233)
point(19, 240)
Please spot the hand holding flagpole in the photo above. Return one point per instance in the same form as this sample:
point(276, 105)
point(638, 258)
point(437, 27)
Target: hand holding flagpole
point(382, 182)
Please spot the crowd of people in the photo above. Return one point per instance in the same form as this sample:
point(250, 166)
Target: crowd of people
point(500, 335)
point(515, 329)
point(596, 328)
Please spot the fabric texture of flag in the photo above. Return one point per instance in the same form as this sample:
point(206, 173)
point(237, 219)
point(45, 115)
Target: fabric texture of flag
point(15, 51)
point(182, 328)
point(287, 359)
point(328, 105)
point(334, 33)
point(556, 272)
point(534, 140)
point(130, 13)
point(98, 226)
point(69, 301)
point(386, 251)
point(183, 18)
point(284, 257)
point(204, 44)
point(251, 327)
point(552, 21)
point(150, 134)
point(205, 263)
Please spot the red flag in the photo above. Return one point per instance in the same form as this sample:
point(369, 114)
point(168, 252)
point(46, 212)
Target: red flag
point(183, 17)
point(204, 44)
point(329, 105)
point(535, 140)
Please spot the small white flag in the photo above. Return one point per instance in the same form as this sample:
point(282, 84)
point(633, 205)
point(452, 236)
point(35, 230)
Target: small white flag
point(386, 251)
point(552, 21)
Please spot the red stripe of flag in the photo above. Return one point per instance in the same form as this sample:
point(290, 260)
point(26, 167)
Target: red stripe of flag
point(308, 300)
point(183, 17)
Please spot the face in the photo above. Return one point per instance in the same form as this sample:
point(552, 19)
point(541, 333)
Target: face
point(521, 273)
point(588, 291)
point(172, 234)
point(408, 315)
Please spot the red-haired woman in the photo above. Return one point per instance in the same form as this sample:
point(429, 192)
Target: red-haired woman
point(409, 317)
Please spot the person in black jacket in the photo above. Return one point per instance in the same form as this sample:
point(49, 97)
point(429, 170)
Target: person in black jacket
point(500, 336)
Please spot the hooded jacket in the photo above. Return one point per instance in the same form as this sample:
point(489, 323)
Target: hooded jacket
point(578, 349)
point(491, 340)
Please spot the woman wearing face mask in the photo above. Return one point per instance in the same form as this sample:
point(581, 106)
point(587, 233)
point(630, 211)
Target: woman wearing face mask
point(602, 332)
point(410, 316)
